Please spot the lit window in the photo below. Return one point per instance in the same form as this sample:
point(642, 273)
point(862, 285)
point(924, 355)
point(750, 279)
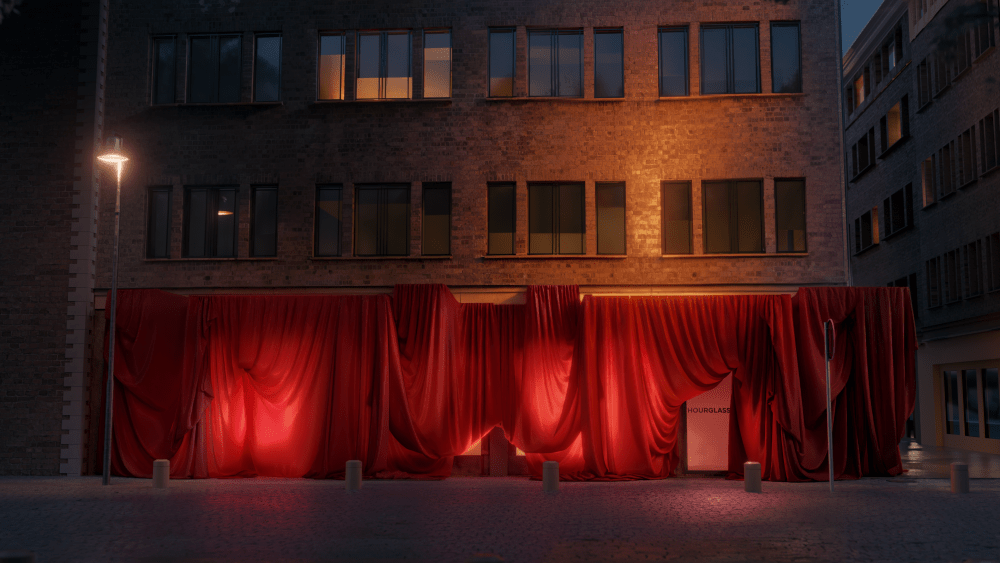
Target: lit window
point(437, 64)
point(608, 63)
point(610, 198)
point(436, 237)
point(331, 66)
point(502, 62)
point(555, 63)
point(267, 68)
point(673, 61)
point(384, 70)
point(895, 124)
point(556, 219)
point(729, 59)
point(164, 70)
point(733, 217)
point(328, 225)
point(676, 204)
point(158, 223)
point(790, 215)
point(382, 220)
point(501, 218)
point(215, 69)
point(264, 228)
point(210, 221)
point(786, 60)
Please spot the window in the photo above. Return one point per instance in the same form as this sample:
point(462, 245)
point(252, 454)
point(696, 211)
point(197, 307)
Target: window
point(382, 220)
point(982, 38)
point(329, 200)
point(866, 231)
point(267, 68)
point(215, 69)
point(556, 219)
point(158, 223)
point(501, 218)
point(923, 83)
point(501, 62)
point(786, 59)
point(555, 63)
point(897, 211)
point(909, 282)
point(863, 153)
point(210, 221)
point(609, 63)
point(952, 288)
point(729, 59)
point(862, 87)
point(970, 386)
point(610, 201)
point(264, 228)
point(962, 52)
point(965, 157)
point(951, 422)
point(989, 135)
point(973, 268)
point(437, 63)
point(331, 66)
point(733, 217)
point(676, 217)
point(993, 262)
point(164, 70)
point(927, 180)
point(790, 215)
point(895, 125)
point(436, 223)
point(934, 282)
point(673, 61)
point(942, 71)
point(384, 70)
point(991, 402)
point(946, 168)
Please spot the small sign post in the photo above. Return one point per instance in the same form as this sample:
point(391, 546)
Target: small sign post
point(829, 341)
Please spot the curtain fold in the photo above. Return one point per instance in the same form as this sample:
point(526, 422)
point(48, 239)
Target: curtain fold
point(293, 386)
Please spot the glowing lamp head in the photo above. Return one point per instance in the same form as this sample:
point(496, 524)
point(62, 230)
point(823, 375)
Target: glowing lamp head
point(113, 151)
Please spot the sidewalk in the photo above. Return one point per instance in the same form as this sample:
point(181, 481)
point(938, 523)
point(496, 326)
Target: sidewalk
point(910, 518)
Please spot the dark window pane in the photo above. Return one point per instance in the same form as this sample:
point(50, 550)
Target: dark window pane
point(226, 223)
point(501, 219)
point(159, 223)
point(229, 69)
point(165, 70)
point(717, 212)
point(746, 75)
point(437, 219)
point(437, 64)
point(790, 215)
point(396, 225)
point(368, 66)
point(786, 68)
point(570, 71)
point(501, 62)
point(397, 79)
point(540, 63)
point(264, 231)
point(971, 403)
point(610, 200)
point(608, 65)
point(541, 227)
point(328, 210)
point(674, 63)
point(991, 402)
point(714, 61)
point(267, 70)
point(951, 402)
point(366, 222)
point(751, 235)
point(677, 217)
point(331, 67)
point(203, 70)
point(571, 219)
point(197, 216)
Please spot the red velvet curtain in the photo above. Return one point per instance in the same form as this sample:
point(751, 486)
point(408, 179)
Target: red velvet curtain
point(296, 385)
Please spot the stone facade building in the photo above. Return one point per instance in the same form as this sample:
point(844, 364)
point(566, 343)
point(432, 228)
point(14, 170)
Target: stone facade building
point(661, 148)
point(922, 84)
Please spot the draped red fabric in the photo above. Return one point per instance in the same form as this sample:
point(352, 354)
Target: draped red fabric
point(293, 386)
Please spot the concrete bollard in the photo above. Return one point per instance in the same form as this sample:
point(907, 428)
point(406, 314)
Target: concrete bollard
point(17, 557)
point(161, 473)
point(550, 476)
point(352, 477)
point(751, 477)
point(959, 477)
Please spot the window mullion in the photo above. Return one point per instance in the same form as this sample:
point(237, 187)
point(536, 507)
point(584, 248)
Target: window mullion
point(554, 63)
point(383, 64)
point(730, 61)
point(734, 218)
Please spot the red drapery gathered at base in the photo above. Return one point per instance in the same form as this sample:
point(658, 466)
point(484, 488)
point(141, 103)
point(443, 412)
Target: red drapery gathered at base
point(294, 386)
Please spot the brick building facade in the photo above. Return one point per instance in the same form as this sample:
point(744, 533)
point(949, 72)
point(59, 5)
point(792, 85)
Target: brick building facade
point(923, 199)
point(651, 148)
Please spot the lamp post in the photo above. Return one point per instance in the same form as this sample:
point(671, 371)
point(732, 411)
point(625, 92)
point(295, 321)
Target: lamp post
point(112, 155)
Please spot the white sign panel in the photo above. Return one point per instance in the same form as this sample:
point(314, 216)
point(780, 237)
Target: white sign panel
point(708, 429)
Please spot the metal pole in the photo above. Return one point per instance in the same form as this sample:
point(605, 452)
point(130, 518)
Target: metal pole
point(109, 392)
point(828, 354)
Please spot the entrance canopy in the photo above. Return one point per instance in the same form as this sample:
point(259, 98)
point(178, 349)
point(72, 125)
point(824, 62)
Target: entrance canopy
point(294, 386)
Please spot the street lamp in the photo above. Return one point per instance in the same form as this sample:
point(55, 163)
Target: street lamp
point(112, 155)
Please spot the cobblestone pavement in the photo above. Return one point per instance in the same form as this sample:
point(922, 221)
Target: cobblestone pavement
point(685, 519)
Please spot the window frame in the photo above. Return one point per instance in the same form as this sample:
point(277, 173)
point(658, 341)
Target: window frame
point(688, 186)
point(777, 216)
point(216, 47)
point(340, 220)
point(211, 221)
point(343, 65)
point(734, 217)
point(871, 229)
point(382, 230)
point(383, 57)
point(153, 225)
point(660, 31)
point(435, 186)
point(491, 201)
point(156, 71)
point(730, 68)
point(556, 212)
point(798, 27)
point(554, 56)
point(254, 77)
point(934, 286)
point(609, 31)
point(490, 58)
point(891, 211)
point(254, 235)
point(451, 60)
point(597, 216)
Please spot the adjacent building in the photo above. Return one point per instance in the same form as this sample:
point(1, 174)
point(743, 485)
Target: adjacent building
point(648, 148)
point(922, 110)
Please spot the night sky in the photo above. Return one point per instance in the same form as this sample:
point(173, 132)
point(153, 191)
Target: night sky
point(855, 14)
